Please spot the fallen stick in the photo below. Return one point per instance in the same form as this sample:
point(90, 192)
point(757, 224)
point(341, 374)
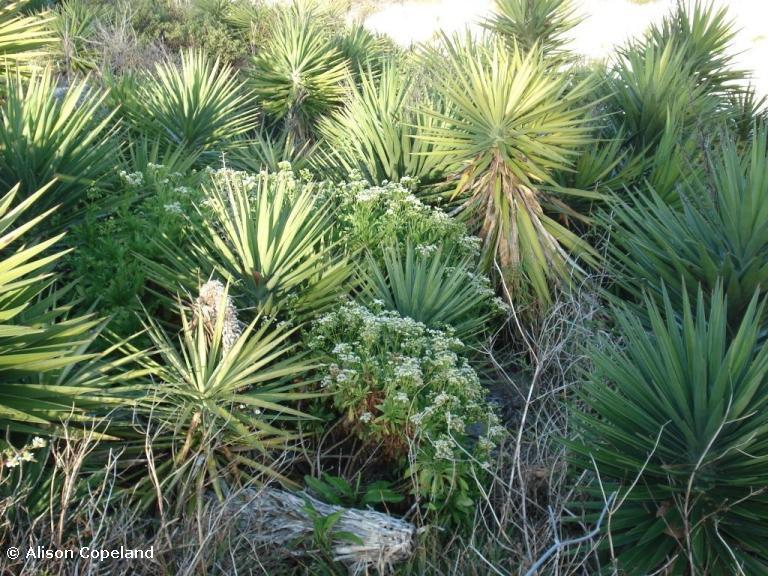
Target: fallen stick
point(276, 517)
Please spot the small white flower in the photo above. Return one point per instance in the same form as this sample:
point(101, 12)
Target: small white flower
point(174, 208)
point(12, 462)
point(443, 449)
point(38, 442)
point(132, 178)
point(366, 417)
point(426, 249)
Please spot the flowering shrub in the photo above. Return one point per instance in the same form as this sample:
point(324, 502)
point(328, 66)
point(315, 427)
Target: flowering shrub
point(372, 216)
point(397, 384)
point(419, 261)
point(118, 230)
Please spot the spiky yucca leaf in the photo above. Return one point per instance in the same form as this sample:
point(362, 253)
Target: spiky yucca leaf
point(430, 288)
point(266, 151)
point(269, 237)
point(23, 38)
point(363, 49)
point(652, 88)
point(675, 423)
point(719, 234)
point(376, 133)
point(512, 122)
point(704, 34)
point(197, 105)
point(46, 135)
point(300, 74)
point(529, 23)
point(225, 402)
point(75, 24)
point(47, 372)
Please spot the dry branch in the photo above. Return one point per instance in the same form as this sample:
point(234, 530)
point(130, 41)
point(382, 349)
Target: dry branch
point(276, 517)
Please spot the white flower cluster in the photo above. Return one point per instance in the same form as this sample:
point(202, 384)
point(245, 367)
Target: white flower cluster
point(416, 374)
point(426, 249)
point(173, 208)
point(132, 178)
point(409, 368)
point(11, 458)
point(444, 447)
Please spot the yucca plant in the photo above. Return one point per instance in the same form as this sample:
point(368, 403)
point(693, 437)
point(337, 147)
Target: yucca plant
point(363, 49)
point(377, 132)
point(266, 151)
point(534, 23)
point(747, 112)
point(653, 87)
point(47, 134)
point(197, 105)
point(75, 24)
point(299, 75)
point(674, 422)
point(431, 287)
point(224, 393)
point(512, 122)
point(270, 237)
point(47, 372)
point(704, 34)
point(23, 38)
point(718, 235)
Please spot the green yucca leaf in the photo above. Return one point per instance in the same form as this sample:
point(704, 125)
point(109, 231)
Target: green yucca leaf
point(266, 151)
point(674, 421)
point(365, 50)
point(195, 106)
point(48, 373)
point(300, 74)
point(223, 397)
point(46, 135)
point(653, 87)
point(530, 23)
point(75, 23)
point(703, 34)
point(511, 123)
point(23, 38)
point(268, 236)
point(431, 288)
point(377, 132)
point(718, 235)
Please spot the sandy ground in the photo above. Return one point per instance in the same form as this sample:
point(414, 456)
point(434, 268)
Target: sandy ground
point(607, 23)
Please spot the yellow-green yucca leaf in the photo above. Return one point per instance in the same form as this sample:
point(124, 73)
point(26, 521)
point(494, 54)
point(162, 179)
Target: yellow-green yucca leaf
point(270, 237)
point(226, 393)
point(300, 74)
point(431, 288)
point(47, 373)
point(704, 34)
point(76, 24)
point(675, 422)
point(376, 132)
point(196, 105)
point(23, 38)
point(530, 23)
point(267, 151)
point(48, 134)
point(511, 122)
